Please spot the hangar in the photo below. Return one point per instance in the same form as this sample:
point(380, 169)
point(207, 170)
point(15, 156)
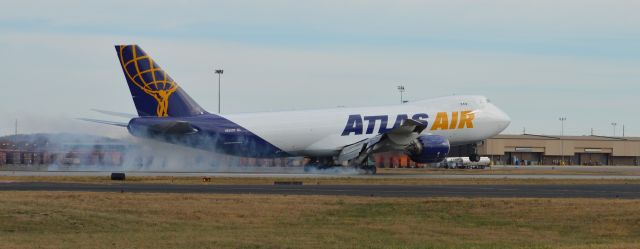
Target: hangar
point(530, 149)
point(526, 149)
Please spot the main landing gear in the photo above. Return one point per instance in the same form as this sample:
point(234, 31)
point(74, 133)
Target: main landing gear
point(318, 163)
point(368, 169)
point(328, 165)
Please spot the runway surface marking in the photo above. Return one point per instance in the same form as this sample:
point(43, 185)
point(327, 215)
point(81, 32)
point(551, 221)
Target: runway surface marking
point(627, 191)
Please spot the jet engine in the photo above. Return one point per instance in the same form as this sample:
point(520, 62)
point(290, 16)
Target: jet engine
point(428, 149)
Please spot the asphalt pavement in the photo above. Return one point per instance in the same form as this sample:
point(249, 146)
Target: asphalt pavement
point(626, 191)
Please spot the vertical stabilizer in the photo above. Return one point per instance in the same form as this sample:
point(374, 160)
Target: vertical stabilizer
point(154, 92)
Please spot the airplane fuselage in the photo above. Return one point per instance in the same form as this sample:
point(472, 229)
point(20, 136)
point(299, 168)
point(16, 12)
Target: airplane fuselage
point(324, 132)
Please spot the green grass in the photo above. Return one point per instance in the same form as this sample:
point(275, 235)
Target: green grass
point(129, 220)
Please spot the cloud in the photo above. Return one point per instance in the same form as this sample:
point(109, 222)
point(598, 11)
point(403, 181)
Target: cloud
point(537, 59)
point(571, 26)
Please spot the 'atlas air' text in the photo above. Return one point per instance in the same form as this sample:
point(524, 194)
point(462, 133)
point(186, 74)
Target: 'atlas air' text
point(443, 121)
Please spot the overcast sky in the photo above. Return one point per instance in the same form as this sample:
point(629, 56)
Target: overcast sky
point(537, 60)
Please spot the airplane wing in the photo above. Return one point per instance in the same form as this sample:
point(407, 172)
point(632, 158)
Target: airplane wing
point(395, 139)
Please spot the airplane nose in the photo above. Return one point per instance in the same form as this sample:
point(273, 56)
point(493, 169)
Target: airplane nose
point(500, 119)
point(505, 121)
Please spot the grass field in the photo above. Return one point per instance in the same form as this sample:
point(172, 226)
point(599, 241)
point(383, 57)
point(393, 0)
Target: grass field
point(129, 220)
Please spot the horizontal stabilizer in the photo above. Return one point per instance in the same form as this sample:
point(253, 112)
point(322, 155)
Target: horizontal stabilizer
point(116, 114)
point(173, 128)
point(104, 122)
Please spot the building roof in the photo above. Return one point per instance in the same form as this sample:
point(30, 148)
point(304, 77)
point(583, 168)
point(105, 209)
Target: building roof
point(555, 137)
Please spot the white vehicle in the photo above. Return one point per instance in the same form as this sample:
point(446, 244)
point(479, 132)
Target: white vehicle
point(424, 130)
point(466, 163)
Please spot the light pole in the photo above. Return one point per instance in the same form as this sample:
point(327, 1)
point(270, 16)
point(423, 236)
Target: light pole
point(401, 90)
point(562, 119)
point(614, 124)
point(219, 73)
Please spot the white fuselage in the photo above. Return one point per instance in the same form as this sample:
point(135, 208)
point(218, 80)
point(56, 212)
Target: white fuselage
point(322, 132)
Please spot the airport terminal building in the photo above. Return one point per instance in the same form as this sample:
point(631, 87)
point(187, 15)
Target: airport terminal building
point(529, 149)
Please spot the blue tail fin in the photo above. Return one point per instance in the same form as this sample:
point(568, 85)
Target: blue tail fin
point(154, 92)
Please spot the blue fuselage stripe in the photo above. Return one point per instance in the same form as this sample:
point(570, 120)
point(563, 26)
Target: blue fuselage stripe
point(214, 133)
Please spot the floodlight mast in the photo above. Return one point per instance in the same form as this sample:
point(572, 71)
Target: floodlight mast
point(219, 72)
point(401, 90)
point(562, 119)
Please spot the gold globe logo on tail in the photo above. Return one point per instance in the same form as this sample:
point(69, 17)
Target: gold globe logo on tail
point(149, 77)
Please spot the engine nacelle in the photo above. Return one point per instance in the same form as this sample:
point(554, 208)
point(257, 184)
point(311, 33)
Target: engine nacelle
point(428, 149)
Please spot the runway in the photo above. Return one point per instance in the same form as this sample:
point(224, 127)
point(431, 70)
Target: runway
point(626, 191)
point(482, 174)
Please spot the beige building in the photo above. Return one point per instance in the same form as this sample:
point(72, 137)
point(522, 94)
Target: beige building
point(553, 150)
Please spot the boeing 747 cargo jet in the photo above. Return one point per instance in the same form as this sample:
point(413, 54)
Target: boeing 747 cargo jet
point(424, 130)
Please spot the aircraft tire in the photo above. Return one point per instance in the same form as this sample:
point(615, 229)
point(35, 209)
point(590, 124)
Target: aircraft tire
point(309, 168)
point(369, 170)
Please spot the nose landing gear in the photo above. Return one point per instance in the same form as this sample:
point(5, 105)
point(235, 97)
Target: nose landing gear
point(474, 157)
